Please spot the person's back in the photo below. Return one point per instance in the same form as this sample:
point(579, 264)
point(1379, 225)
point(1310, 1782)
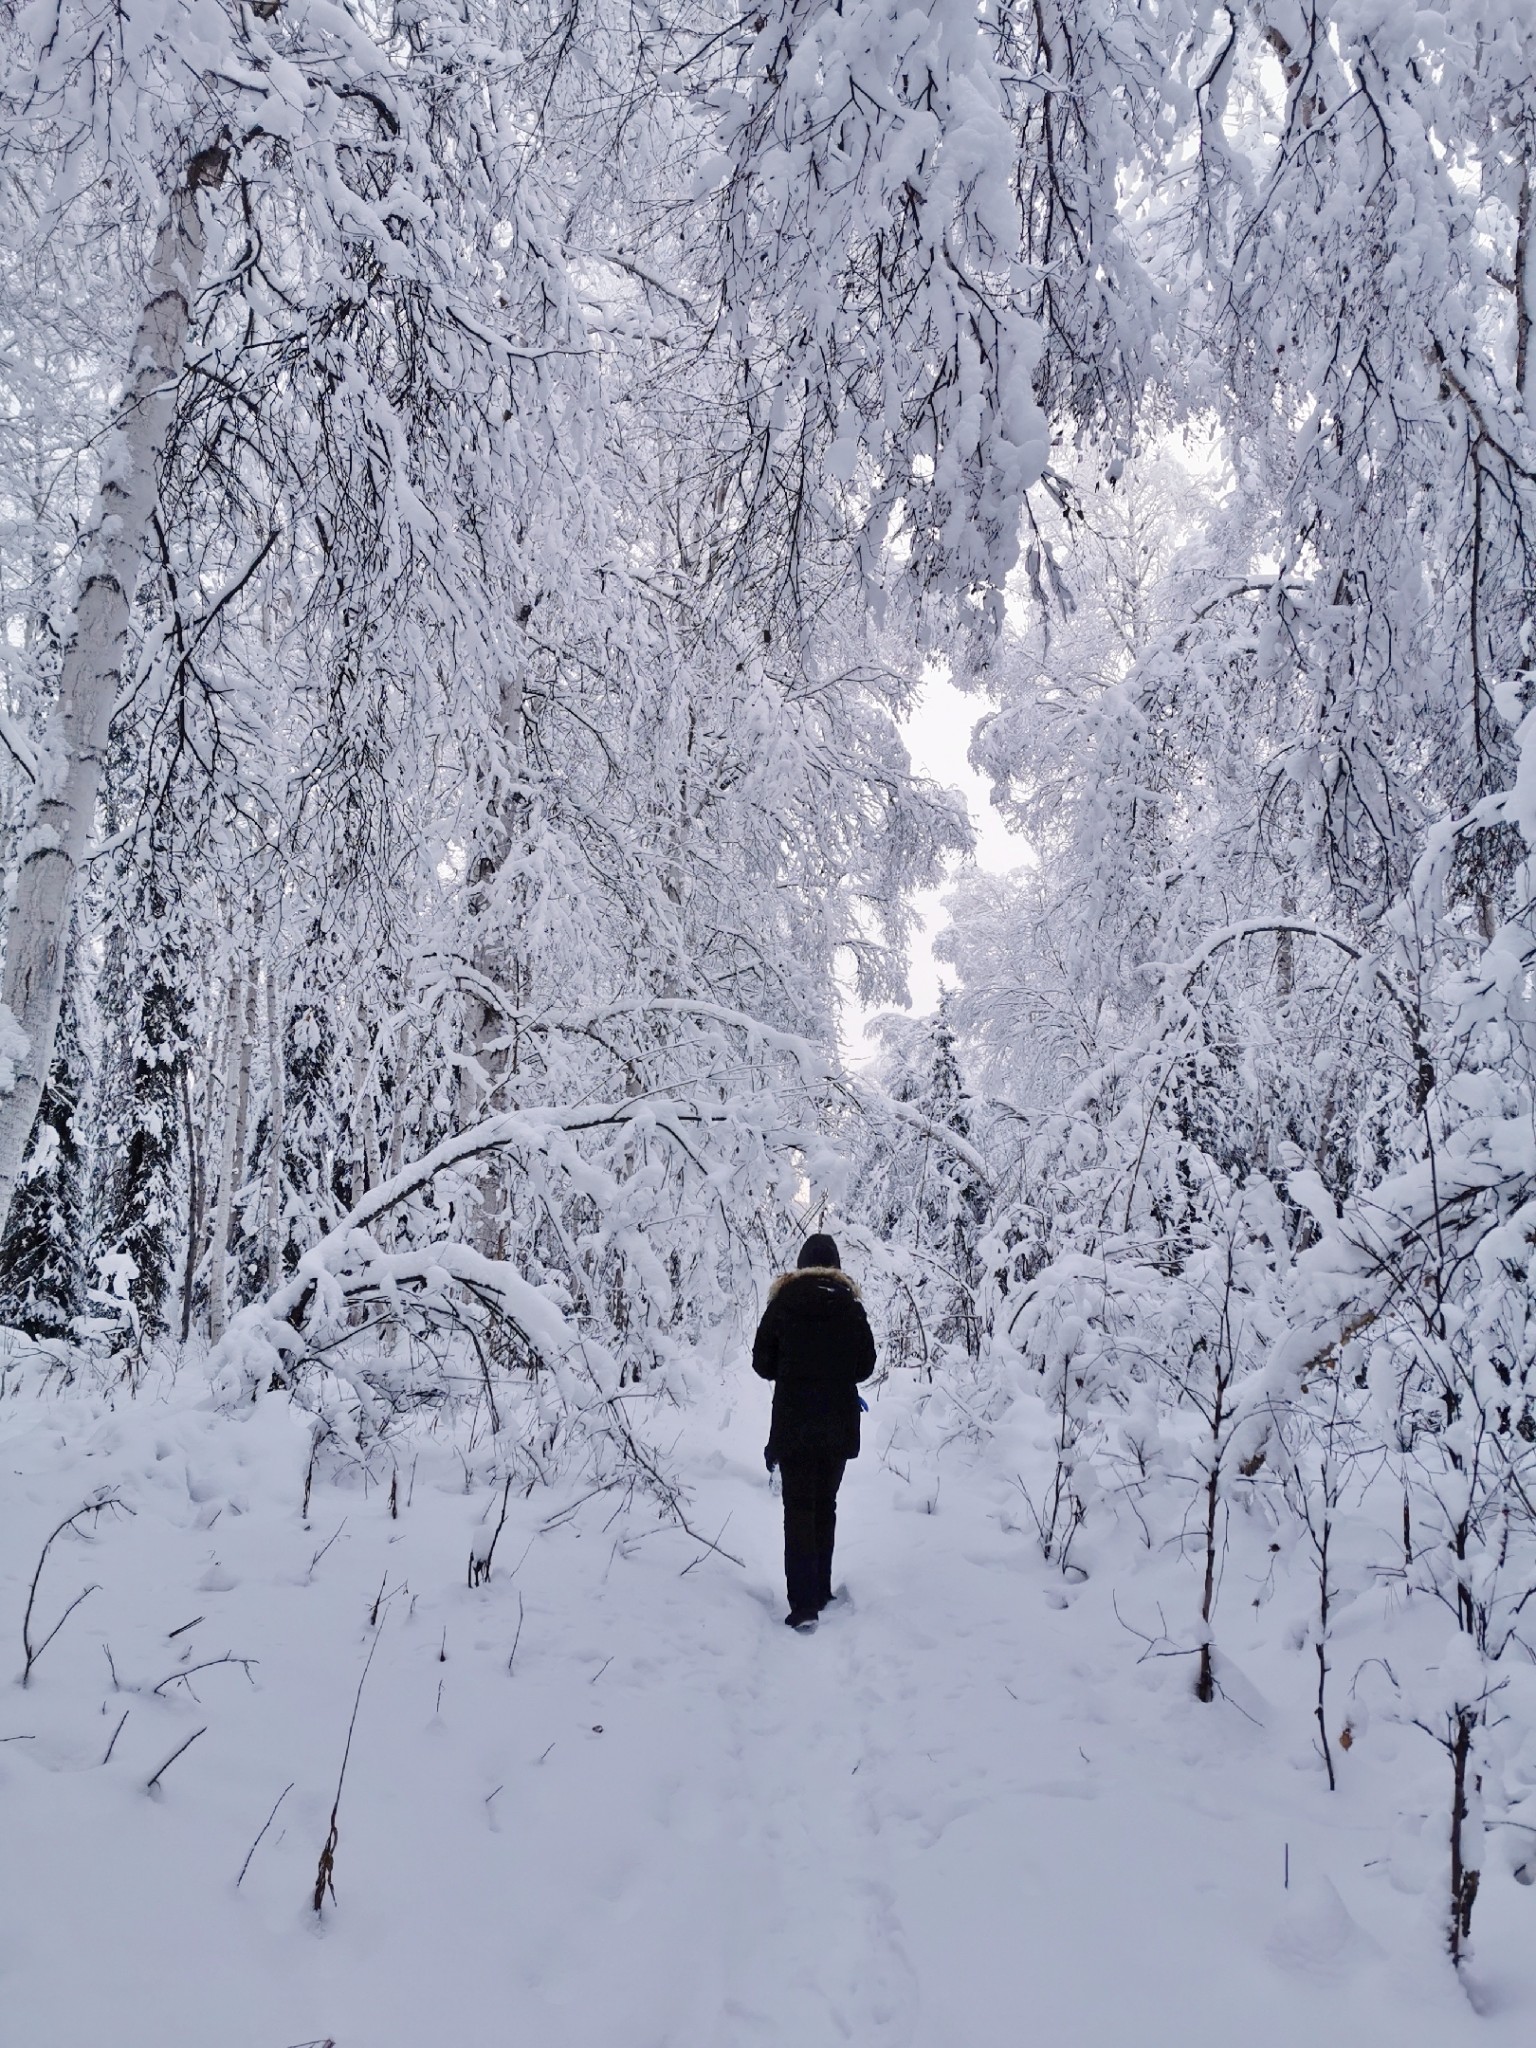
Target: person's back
point(814, 1342)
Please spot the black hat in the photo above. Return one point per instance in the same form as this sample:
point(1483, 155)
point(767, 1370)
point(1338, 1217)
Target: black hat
point(819, 1250)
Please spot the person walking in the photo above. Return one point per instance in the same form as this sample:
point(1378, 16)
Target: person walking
point(815, 1344)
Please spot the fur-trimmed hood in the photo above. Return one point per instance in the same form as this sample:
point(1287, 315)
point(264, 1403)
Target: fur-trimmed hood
point(813, 1273)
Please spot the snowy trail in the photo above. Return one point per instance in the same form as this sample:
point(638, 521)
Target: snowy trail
point(961, 1812)
point(818, 1951)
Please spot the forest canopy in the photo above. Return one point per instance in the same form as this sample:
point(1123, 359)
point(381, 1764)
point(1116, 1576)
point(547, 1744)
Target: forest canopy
point(481, 486)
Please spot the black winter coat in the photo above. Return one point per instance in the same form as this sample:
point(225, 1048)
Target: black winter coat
point(815, 1344)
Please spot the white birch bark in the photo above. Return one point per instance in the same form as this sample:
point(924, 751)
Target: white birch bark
point(1524, 281)
point(403, 1105)
point(70, 770)
point(275, 1114)
point(365, 1134)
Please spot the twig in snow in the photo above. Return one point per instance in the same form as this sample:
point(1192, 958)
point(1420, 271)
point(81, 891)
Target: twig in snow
point(325, 1547)
point(480, 1564)
point(175, 1632)
point(115, 1734)
point(316, 1438)
point(33, 1655)
point(107, 1653)
point(597, 1674)
point(1219, 1687)
point(208, 1664)
point(665, 1491)
point(517, 1638)
point(151, 1783)
point(272, 1816)
point(715, 1546)
point(562, 1515)
point(1154, 1644)
point(33, 1651)
point(325, 1873)
point(623, 1508)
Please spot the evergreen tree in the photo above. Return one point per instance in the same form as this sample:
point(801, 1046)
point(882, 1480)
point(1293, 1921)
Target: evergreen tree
point(140, 1227)
point(313, 1168)
point(42, 1268)
point(951, 1198)
point(924, 1199)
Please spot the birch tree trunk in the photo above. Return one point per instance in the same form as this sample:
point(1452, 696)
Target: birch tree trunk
point(197, 1191)
point(69, 776)
point(275, 1115)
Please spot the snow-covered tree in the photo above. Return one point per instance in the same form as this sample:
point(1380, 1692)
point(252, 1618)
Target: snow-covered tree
point(924, 1199)
point(43, 1275)
point(147, 1193)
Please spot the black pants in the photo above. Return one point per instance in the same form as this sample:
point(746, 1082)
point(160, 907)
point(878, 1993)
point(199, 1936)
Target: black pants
point(810, 1480)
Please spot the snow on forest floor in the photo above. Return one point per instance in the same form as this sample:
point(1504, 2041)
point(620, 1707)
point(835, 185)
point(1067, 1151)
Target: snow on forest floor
point(962, 1812)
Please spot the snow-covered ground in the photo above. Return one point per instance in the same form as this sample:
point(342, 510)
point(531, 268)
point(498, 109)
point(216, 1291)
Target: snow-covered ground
point(966, 1811)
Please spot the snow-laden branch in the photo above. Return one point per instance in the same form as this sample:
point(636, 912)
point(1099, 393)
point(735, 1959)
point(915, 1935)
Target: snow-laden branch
point(818, 1070)
point(348, 1269)
point(1188, 972)
point(712, 1140)
point(18, 746)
